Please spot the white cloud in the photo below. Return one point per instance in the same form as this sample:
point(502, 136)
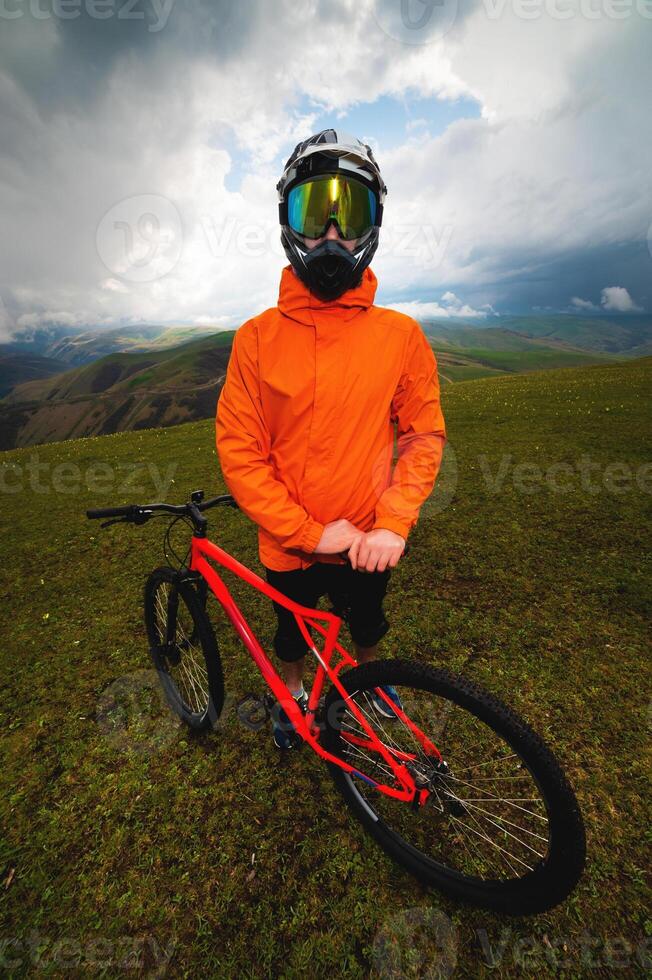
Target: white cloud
point(219, 322)
point(6, 324)
point(583, 305)
point(489, 201)
point(450, 306)
point(114, 286)
point(58, 318)
point(616, 299)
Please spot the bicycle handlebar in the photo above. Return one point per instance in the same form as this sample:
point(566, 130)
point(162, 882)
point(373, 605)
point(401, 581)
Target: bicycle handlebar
point(112, 511)
point(139, 513)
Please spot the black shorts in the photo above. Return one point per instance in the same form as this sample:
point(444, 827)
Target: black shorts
point(361, 592)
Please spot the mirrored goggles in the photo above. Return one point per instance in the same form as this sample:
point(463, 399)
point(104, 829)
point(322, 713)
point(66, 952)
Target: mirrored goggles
point(313, 204)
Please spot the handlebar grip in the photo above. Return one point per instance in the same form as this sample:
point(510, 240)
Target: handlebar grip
point(111, 511)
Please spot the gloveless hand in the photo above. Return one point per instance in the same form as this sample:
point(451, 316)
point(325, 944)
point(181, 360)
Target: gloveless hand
point(337, 536)
point(377, 550)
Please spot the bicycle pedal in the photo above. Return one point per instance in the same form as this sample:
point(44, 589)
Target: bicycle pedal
point(253, 711)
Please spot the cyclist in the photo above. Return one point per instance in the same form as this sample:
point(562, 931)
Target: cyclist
point(305, 420)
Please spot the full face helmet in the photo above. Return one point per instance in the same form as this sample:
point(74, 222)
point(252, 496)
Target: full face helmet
point(331, 178)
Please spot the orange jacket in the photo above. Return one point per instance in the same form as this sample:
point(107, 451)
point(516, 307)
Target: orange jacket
point(304, 421)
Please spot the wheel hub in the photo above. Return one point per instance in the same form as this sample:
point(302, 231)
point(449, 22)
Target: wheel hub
point(434, 779)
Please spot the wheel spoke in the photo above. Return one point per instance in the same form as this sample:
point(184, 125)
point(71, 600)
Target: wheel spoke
point(485, 834)
point(489, 762)
point(495, 845)
point(509, 822)
point(190, 674)
point(500, 799)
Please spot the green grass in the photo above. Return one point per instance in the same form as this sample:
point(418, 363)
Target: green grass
point(467, 372)
point(123, 827)
point(517, 361)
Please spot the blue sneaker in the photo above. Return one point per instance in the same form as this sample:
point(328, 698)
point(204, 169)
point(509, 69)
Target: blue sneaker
point(284, 733)
point(381, 706)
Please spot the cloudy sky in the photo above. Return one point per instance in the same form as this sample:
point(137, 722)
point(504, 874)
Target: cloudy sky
point(141, 142)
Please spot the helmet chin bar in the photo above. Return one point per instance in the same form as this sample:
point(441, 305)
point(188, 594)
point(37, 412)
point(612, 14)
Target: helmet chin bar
point(329, 269)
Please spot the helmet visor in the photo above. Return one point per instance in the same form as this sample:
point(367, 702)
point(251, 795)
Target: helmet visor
point(313, 204)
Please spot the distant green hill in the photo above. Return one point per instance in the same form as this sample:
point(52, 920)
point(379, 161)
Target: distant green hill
point(119, 392)
point(625, 335)
point(75, 346)
point(613, 335)
point(160, 382)
point(19, 368)
point(466, 352)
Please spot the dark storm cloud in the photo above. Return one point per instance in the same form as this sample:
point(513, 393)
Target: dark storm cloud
point(550, 284)
point(72, 58)
point(198, 101)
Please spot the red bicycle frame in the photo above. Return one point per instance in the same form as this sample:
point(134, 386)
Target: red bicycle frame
point(201, 551)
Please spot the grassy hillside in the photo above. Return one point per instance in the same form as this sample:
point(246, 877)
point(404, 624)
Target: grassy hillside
point(16, 369)
point(498, 349)
point(614, 334)
point(626, 335)
point(181, 364)
point(458, 366)
point(538, 357)
point(119, 392)
point(533, 581)
point(160, 387)
point(83, 347)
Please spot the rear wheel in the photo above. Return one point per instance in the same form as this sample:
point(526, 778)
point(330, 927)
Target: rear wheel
point(501, 829)
point(183, 648)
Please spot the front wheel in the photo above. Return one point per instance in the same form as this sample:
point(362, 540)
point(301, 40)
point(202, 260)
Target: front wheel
point(502, 828)
point(183, 648)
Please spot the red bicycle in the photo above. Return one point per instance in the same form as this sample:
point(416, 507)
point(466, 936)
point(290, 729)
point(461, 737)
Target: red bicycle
point(454, 786)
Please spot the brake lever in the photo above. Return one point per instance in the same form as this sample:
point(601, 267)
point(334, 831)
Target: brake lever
point(138, 517)
point(114, 520)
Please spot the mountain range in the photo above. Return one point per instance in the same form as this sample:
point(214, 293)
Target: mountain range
point(63, 385)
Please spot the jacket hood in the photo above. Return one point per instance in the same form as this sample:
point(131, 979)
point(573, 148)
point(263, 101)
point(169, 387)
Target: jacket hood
point(297, 302)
